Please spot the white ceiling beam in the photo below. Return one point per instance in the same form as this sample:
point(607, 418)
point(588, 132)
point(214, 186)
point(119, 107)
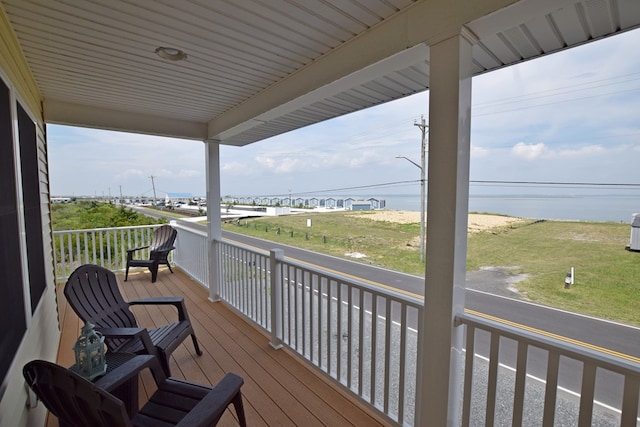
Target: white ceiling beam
point(425, 22)
point(66, 113)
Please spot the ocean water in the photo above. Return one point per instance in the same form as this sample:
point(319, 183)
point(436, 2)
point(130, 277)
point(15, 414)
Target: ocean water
point(580, 207)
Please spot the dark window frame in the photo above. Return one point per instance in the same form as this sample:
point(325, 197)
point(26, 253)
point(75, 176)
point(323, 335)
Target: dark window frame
point(13, 311)
point(30, 176)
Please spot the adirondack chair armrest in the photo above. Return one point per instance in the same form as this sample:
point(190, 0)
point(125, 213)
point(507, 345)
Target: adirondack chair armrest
point(177, 302)
point(162, 251)
point(219, 398)
point(130, 333)
point(132, 250)
point(129, 370)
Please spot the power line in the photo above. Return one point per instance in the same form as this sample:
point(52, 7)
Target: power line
point(557, 184)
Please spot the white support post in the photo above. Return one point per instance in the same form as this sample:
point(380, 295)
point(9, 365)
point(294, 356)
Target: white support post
point(214, 223)
point(275, 289)
point(438, 400)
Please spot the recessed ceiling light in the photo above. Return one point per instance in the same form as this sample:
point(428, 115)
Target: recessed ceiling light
point(171, 53)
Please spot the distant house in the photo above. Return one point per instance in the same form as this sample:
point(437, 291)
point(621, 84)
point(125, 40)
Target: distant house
point(375, 203)
point(348, 202)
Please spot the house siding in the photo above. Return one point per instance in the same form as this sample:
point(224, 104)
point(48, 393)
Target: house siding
point(41, 339)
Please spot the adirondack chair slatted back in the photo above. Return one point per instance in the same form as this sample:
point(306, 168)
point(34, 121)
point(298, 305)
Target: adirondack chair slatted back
point(163, 238)
point(94, 295)
point(71, 398)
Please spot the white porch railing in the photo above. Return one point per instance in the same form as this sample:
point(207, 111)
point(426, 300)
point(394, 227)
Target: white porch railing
point(361, 336)
point(106, 247)
point(365, 338)
point(501, 397)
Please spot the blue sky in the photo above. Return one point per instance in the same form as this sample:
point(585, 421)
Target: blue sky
point(568, 117)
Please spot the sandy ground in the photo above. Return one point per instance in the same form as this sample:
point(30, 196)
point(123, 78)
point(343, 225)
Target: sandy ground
point(477, 222)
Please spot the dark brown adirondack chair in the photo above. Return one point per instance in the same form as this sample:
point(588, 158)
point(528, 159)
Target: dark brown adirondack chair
point(93, 293)
point(79, 403)
point(161, 244)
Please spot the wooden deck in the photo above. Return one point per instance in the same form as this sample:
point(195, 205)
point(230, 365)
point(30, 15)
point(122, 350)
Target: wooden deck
point(279, 389)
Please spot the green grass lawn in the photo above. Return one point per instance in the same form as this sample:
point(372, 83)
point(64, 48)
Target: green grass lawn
point(607, 276)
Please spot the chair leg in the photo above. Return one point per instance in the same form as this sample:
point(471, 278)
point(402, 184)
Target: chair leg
point(169, 265)
point(126, 274)
point(154, 271)
point(195, 344)
point(238, 405)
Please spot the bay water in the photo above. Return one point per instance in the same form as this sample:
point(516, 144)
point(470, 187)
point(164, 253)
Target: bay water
point(578, 207)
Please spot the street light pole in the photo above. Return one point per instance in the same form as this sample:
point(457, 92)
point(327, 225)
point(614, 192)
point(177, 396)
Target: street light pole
point(422, 210)
point(423, 183)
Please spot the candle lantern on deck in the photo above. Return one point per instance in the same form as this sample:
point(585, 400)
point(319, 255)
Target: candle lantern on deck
point(89, 351)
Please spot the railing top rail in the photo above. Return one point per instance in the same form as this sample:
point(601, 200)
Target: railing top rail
point(85, 230)
point(375, 289)
point(565, 348)
point(179, 225)
point(372, 288)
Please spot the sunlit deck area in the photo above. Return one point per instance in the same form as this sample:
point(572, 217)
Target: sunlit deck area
point(278, 388)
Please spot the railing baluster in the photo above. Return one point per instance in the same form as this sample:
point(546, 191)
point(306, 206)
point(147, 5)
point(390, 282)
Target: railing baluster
point(404, 322)
point(468, 378)
point(329, 324)
point(630, 400)
point(587, 394)
point(521, 377)
point(339, 334)
point(387, 355)
point(361, 324)
point(374, 347)
point(299, 309)
point(493, 379)
point(322, 336)
point(350, 309)
point(551, 389)
point(305, 314)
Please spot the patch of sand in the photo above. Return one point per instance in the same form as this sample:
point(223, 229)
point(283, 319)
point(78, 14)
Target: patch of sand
point(477, 222)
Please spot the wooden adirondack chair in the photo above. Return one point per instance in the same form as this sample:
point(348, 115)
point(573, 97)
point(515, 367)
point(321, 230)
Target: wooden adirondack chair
point(79, 403)
point(93, 293)
point(161, 244)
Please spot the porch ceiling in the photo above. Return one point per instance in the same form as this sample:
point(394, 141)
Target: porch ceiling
point(255, 69)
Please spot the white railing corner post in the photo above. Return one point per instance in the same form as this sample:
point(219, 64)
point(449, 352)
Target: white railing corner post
point(214, 273)
point(275, 292)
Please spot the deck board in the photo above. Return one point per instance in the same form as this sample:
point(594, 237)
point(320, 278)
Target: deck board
point(279, 388)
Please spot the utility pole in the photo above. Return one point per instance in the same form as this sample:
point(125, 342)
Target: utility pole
point(423, 150)
point(155, 203)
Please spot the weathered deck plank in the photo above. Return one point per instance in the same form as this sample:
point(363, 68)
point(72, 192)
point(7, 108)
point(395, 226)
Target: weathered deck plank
point(279, 389)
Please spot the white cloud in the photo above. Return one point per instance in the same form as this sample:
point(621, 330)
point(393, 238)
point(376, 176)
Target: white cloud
point(129, 173)
point(528, 151)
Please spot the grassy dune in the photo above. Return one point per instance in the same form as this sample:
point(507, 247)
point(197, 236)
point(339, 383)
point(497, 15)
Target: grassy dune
point(607, 276)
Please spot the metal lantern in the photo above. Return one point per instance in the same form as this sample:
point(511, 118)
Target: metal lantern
point(89, 350)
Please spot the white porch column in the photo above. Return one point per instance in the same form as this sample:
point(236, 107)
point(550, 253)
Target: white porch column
point(447, 216)
point(214, 228)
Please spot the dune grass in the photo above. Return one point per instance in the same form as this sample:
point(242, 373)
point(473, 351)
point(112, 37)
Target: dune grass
point(607, 277)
